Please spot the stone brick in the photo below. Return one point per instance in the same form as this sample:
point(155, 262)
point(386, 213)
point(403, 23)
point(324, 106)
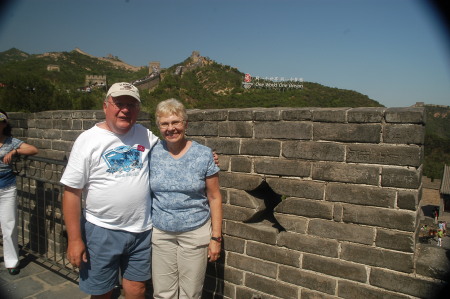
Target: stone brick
point(227, 146)
point(252, 265)
point(365, 115)
point(402, 283)
point(283, 130)
point(305, 243)
point(387, 218)
point(361, 195)
point(401, 177)
point(241, 164)
point(273, 254)
point(87, 124)
point(262, 232)
point(292, 223)
point(215, 115)
point(404, 134)
point(346, 173)
point(432, 261)
point(260, 147)
point(309, 150)
point(334, 115)
point(308, 294)
point(307, 279)
point(238, 213)
point(270, 286)
point(240, 114)
point(267, 114)
point(71, 135)
point(334, 267)
point(368, 133)
point(385, 154)
point(282, 167)
point(338, 212)
point(351, 290)
point(236, 129)
point(243, 292)
point(394, 260)
point(224, 163)
point(233, 276)
point(240, 181)
point(296, 114)
point(408, 199)
point(62, 124)
point(61, 145)
point(405, 115)
point(203, 128)
point(395, 240)
point(244, 199)
point(44, 124)
point(77, 124)
point(341, 231)
point(297, 188)
point(305, 207)
point(233, 244)
point(51, 134)
point(195, 115)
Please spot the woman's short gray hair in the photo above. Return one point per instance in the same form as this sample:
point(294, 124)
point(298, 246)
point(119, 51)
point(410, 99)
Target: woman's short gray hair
point(170, 107)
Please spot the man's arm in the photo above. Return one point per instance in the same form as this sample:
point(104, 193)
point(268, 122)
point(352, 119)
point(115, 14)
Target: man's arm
point(76, 250)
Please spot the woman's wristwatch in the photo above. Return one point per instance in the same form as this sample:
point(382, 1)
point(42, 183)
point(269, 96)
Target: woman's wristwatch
point(217, 239)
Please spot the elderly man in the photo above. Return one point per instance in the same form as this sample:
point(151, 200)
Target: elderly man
point(109, 163)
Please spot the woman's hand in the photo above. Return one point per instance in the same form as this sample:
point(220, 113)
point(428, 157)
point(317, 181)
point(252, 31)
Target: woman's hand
point(7, 159)
point(214, 251)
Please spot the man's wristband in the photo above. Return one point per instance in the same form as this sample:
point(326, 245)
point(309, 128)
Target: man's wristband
point(217, 239)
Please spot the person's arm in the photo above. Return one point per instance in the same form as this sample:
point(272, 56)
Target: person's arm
point(215, 204)
point(23, 149)
point(76, 249)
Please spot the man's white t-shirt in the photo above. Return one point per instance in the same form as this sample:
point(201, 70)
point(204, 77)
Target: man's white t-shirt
point(113, 171)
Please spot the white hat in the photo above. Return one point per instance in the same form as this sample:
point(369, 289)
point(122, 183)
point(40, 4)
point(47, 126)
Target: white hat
point(123, 89)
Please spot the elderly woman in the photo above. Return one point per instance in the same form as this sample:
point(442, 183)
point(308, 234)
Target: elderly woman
point(9, 147)
point(187, 207)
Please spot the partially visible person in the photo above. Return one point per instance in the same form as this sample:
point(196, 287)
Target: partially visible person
point(9, 147)
point(440, 235)
point(109, 164)
point(187, 207)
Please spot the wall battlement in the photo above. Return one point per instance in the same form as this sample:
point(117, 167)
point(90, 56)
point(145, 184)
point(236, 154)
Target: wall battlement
point(318, 202)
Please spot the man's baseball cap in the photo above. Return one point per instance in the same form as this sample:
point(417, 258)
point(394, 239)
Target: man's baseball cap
point(123, 89)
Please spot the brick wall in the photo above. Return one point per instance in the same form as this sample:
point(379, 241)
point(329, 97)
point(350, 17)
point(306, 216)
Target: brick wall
point(318, 202)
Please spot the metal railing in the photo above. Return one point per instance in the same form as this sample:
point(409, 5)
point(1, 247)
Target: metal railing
point(41, 225)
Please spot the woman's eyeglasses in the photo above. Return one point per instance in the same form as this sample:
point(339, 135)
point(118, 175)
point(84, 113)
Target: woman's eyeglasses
point(176, 124)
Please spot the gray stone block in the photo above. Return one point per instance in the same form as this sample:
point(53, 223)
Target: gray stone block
point(233, 275)
point(409, 178)
point(297, 188)
point(297, 114)
point(241, 164)
point(252, 265)
point(282, 167)
point(385, 154)
point(203, 128)
point(408, 200)
point(309, 150)
point(244, 199)
point(307, 279)
point(241, 114)
point(395, 240)
point(405, 115)
point(387, 218)
point(262, 231)
point(346, 173)
point(267, 114)
point(260, 147)
point(432, 261)
point(394, 260)
point(310, 244)
point(351, 290)
point(87, 124)
point(244, 292)
point(365, 115)
point(291, 223)
point(367, 133)
point(215, 115)
point(361, 195)
point(308, 294)
point(341, 231)
point(235, 129)
point(240, 181)
point(71, 135)
point(283, 130)
point(195, 115)
point(334, 115)
point(305, 207)
point(270, 286)
point(402, 283)
point(273, 254)
point(335, 267)
point(403, 134)
point(237, 213)
point(233, 244)
point(61, 145)
point(227, 146)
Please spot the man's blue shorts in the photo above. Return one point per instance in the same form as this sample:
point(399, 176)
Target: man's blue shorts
point(111, 250)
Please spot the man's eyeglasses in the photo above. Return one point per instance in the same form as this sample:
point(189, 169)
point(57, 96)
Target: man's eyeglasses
point(121, 106)
point(176, 124)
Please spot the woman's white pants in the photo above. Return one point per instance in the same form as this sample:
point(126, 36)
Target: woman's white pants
point(8, 222)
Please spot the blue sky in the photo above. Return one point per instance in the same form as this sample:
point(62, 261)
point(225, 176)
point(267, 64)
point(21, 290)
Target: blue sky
point(397, 52)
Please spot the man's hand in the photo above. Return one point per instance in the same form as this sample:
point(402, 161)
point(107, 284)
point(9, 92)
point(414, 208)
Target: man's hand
point(76, 253)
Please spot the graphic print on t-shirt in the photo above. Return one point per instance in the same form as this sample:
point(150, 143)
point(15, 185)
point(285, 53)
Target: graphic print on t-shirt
point(123, 159)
